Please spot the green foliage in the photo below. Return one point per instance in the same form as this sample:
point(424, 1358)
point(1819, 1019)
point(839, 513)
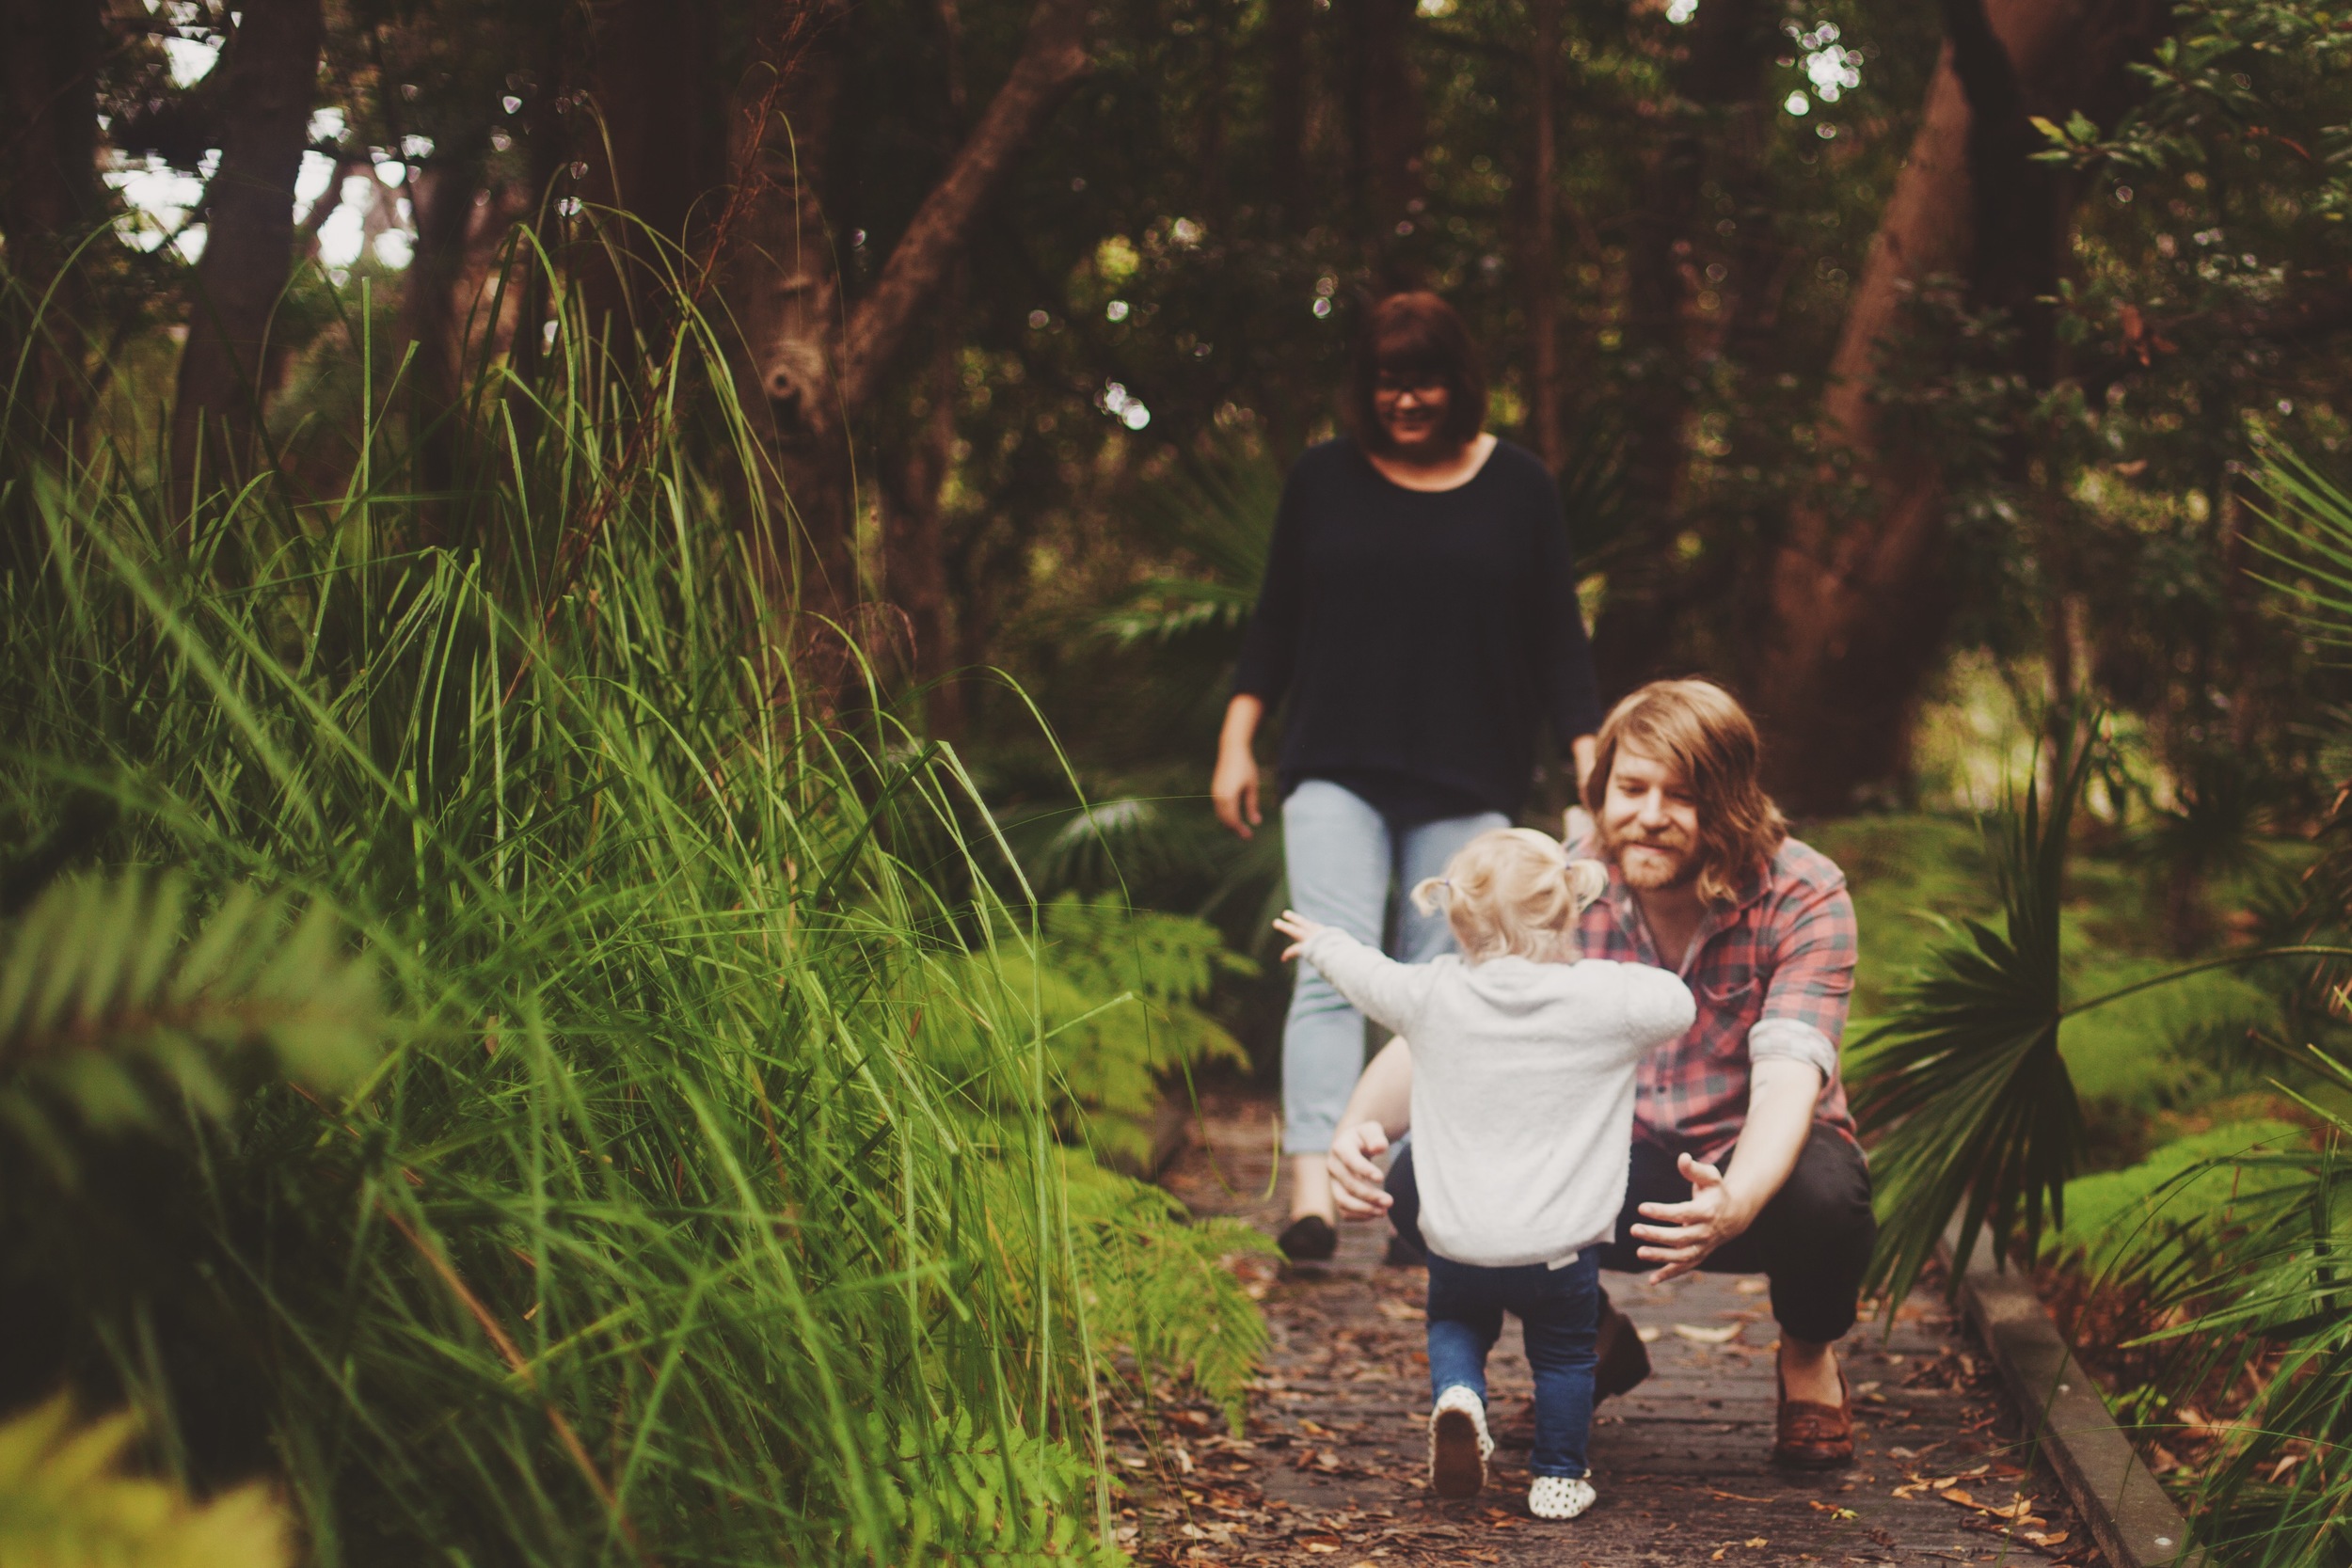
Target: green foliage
point(106, 992)
point(2192, 1184)
point(1217, 512)
point(2267, 1270)
point(965, 1493)
point(65, 1502)
point(2169, 1047)
point(1118, 991)
point(1162, 1292)
point(1905, 873)
point(2309, 545)
point(715, 1209)
point(1962, 1076)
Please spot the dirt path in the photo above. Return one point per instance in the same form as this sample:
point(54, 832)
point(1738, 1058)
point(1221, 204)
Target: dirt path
point(1330, 1470)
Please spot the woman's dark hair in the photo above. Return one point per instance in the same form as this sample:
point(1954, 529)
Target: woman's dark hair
point(1415, 334)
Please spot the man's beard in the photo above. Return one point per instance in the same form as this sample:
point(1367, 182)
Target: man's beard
point(1645, 874)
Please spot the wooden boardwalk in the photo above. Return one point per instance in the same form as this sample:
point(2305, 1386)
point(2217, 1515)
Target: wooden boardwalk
point(1331, 1470)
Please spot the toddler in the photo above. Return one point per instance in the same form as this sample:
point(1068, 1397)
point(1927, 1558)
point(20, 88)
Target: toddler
point(1523, 1061)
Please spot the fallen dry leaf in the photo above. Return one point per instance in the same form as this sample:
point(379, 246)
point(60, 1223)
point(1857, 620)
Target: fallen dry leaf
point(1756, 1541)
point(1957, 1496)
point(1320, 1547)
point(1710, 1335)
point(1402, 1312)
point(2054, 1538)
point(1647, 1332)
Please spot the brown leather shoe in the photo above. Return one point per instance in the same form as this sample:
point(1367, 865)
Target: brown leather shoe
point(1814, 1436)
point(1620, 1359)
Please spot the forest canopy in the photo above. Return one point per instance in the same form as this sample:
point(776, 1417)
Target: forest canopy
point(1859, 334)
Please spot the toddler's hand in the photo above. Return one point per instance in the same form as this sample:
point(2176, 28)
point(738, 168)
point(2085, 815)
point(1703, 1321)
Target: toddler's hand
point(1298, 928)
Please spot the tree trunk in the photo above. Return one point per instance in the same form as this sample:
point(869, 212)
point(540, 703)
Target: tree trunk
point(270, 74)
point(1728, 41)
point(1858, 600)
point(914, 546)
point(442, 194)
point(1386, 129)
point(1287, 23)
point(655, 149)
point(50, 197)
point(1542, 244)
point(806, 372)
point(1215, 194)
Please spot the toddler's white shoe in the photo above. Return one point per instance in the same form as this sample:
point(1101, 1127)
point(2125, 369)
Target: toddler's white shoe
point(1458, 1443)
point(1560, 1496)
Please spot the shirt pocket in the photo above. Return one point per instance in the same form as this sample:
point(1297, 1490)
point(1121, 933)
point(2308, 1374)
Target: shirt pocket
point(1730, 1005)
point(1730, 986)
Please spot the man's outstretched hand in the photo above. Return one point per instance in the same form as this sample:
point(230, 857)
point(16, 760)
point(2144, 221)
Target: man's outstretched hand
point(1685, 1233)
point(1358, 1188)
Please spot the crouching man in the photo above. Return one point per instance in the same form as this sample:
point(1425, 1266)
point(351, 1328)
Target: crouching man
point(1744, 1159)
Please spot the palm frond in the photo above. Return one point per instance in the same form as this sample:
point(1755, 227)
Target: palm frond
point(2311, 548)
point(1962, 1080)
point(1219, 509)
point(2271, 1272)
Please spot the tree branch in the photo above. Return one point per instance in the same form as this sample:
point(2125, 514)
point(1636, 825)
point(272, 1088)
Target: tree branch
point(1052, 61)
point(2308, 322)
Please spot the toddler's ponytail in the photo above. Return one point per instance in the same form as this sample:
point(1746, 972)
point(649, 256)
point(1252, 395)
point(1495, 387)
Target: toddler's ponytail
point(1514, 892)
point(1587, 880)
point(1429, 894)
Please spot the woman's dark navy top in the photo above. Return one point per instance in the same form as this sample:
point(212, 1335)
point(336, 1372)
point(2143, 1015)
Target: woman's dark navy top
point(1420, 637)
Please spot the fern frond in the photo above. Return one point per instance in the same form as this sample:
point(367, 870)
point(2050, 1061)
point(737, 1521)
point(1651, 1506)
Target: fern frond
point(1160, 1285)
point(111, 989)
point(65, 1503)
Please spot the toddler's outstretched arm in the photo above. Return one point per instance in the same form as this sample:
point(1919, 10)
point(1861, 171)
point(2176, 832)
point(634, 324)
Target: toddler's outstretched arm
point(1388, 992)
point(1298, 928)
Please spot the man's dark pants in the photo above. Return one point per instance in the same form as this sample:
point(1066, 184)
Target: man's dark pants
point(1813, 1240)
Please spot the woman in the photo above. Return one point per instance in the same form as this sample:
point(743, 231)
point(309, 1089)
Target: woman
point(1420, 618)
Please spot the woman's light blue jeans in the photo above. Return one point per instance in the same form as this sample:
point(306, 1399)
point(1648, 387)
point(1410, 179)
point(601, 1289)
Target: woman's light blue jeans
point(1342, 858)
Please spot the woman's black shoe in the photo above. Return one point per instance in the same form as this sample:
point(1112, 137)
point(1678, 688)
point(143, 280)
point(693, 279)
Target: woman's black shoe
point(1405, 1252)
point(1309, 1239)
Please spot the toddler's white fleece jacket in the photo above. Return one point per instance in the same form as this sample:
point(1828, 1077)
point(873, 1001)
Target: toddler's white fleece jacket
point(1522, 1089)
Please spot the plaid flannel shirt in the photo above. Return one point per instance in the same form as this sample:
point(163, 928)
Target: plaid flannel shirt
point(1773, 973)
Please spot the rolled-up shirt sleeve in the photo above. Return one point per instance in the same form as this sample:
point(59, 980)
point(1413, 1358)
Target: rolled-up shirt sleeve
point(1803, 1016)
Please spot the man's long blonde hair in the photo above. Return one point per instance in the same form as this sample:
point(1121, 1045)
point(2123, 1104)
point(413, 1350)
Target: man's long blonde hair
point(1514, 892)
point(1703, 733)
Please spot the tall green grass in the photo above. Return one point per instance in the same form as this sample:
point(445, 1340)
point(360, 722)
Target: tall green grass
point(720, 1195)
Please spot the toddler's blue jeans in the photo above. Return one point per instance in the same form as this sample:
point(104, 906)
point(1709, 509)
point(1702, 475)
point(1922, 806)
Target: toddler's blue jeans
point(1557, 1309)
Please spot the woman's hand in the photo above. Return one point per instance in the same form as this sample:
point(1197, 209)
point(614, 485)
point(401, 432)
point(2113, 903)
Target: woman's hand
point(1686, 1234)
point(1358, 1188)
point(1234, 787)
point(1298, 928)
